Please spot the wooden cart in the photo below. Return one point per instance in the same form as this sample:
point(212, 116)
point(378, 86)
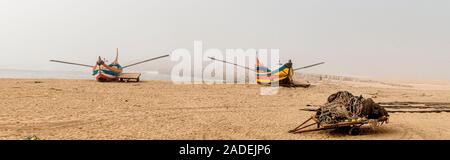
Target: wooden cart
point(354, 125)
point(126, 77)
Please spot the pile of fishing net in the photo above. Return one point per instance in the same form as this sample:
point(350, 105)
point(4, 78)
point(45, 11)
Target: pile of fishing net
point(343, 106)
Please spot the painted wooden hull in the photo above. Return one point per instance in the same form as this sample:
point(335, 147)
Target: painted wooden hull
point(106, 73)
point(266, 76)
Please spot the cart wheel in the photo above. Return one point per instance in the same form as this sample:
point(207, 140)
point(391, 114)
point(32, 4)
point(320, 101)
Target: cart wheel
point(354, 131)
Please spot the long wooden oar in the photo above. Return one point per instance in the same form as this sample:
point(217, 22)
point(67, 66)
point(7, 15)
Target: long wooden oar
point(78, 64)
point(212, 58)
point(148, 60)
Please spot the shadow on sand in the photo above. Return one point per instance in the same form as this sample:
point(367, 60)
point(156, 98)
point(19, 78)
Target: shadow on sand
point(346, 131)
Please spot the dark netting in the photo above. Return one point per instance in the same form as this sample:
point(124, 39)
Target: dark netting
point(343, 106)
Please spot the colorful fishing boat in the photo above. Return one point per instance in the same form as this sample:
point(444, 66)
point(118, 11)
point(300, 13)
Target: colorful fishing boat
point(282, 76)
point(110, 72)
point(105, 73)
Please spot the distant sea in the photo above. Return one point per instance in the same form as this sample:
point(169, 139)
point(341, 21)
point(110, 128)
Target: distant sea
point(30, 74)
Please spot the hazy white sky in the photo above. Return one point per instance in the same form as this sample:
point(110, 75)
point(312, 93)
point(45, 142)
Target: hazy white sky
point(377, 38)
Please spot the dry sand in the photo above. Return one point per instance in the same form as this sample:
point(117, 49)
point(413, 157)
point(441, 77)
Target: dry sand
point(86, 109)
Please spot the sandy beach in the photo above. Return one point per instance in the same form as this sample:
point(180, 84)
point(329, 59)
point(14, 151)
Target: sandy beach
point(86, 109)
